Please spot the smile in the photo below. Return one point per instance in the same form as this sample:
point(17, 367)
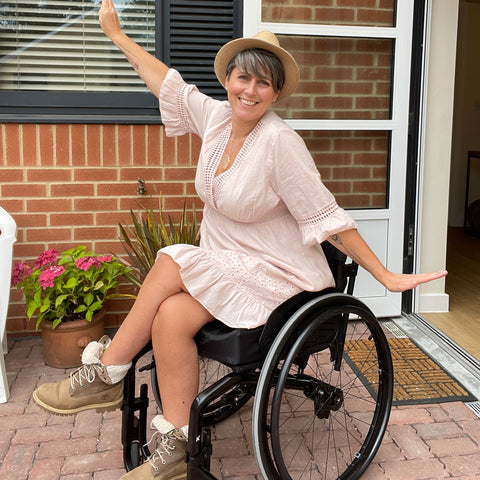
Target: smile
point(247, 102)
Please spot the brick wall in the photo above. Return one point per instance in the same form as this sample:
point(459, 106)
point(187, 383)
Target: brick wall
point(72, 184)
point(67, 185)
point(331, 12)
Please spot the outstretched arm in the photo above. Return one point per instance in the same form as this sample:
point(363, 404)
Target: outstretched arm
point(151, 70)
point(353, 245)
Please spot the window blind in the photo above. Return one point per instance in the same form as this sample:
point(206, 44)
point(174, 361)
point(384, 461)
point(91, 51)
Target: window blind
point(194, 34)
point(58, 45)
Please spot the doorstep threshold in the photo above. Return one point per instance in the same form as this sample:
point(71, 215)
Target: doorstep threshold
point(448, 354)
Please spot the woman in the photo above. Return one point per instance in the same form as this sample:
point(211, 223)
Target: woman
point(266, 211)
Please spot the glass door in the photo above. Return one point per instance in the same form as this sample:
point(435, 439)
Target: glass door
point(351, 107)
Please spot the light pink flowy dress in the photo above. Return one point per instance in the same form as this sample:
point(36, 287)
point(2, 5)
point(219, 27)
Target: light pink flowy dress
point(263, 219)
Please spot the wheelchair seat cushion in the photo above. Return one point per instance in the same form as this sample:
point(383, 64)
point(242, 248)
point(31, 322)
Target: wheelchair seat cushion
point(237, 347)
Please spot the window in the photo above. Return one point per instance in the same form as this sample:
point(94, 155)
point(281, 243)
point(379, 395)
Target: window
point(57, 65)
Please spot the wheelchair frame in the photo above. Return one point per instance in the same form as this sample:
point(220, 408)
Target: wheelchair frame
point(283, 345)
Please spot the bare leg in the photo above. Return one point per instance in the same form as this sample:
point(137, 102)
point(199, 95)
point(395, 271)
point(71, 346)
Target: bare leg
point(162, 281)
point(179, 318)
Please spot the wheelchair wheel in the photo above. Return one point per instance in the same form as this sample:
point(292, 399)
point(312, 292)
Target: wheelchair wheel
point(321, 411)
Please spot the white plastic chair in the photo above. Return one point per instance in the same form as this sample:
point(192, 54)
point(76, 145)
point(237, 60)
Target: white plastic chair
point(8, 236)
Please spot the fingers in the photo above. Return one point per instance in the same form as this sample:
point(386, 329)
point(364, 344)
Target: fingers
point(403, 282)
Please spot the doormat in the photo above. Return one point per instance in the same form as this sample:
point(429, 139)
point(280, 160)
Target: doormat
point(418, 378)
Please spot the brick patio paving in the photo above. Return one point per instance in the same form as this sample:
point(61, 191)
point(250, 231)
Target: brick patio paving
point(432, 441)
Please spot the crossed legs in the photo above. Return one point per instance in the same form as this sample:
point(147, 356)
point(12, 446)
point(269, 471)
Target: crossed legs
point(165, 313)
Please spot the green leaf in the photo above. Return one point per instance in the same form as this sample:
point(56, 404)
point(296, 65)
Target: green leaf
point(89, 299)
point(60, 299)
point(72, 283)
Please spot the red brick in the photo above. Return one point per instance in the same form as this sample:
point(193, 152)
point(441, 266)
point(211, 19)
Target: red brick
point(109, 145)
point(92, 233)
point(31, 220)
point(45, 137)
point(341, 15)
point(462, 465)
point(77, 464)
point(49, 235)
point(414, 469)
point(24, 190)
point(17, 462)
point(61, 448)
point(93, 145)
point(64, 219)
point(79, 154)
point(375, 17)
point(12, 138)
point(49, 205)
point(95, 174)
point(147, 173)
point(94, 204)
point(72, 190)
point(154, 135)
point(48, 175)
point(62, 145)
point(11, 175)
point(29, 135)
point(124, 144)
point(46, 469)
point(116, 189)
point(139, 144)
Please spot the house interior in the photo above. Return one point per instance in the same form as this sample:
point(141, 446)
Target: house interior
point(462, 322)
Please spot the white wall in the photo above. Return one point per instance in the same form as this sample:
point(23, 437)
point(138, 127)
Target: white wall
point(466, 124)
point(434, 183)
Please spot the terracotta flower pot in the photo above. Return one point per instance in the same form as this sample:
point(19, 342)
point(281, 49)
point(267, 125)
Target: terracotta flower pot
point(63, 345)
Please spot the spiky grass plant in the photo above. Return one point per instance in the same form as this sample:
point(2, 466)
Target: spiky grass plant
point(150, 233)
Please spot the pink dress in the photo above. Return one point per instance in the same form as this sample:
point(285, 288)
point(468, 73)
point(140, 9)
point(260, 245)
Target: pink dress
point(263, 219)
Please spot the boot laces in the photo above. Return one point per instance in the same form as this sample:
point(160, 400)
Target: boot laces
point(84, 373)
point(164, 447)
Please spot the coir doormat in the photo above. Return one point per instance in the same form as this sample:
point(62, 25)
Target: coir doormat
point(418, 379)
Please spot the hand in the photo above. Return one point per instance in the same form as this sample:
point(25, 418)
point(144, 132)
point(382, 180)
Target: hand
point(399, 282)
point(108, 19)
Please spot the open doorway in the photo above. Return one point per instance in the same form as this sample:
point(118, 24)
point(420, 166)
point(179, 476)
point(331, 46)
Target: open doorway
point(462, 322)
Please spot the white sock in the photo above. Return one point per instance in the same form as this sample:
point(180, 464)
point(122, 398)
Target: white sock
point(93, 352)
point(160, 423)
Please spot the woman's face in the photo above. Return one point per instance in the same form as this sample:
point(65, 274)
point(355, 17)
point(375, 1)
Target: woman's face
point(250, 96)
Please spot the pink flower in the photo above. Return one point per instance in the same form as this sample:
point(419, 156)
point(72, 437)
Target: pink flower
point(20, 272)
point(47, 257)
point(85, 263)
point(105, 258)
point(47, 276)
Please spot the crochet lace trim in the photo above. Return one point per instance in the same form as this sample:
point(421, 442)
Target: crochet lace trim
point(318, 217)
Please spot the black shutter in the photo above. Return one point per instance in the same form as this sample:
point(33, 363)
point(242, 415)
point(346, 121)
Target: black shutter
point(192, 32)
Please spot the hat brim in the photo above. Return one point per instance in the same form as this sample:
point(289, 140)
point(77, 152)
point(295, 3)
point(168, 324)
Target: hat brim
point(230, 49)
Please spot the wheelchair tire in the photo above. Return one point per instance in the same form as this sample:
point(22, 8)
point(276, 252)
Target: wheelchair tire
point(316, 422)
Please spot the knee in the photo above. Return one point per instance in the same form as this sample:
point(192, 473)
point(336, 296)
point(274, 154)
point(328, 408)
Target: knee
point(166, 322)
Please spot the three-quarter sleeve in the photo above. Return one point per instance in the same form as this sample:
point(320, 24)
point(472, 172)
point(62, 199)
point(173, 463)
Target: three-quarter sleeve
point(183, 108)
point(297, 182)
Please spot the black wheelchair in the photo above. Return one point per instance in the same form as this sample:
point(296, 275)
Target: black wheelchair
point(321, 375)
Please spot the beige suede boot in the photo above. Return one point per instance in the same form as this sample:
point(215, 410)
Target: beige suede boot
point(167, 462)
point(92, 386)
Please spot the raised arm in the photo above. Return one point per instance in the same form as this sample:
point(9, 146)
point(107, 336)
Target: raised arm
point(151, 70)
point(352, 244)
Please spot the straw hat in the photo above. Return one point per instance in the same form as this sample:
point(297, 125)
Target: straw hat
point(268, 41)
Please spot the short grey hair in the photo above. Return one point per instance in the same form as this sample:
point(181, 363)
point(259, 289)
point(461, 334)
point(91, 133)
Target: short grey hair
point(258, 61)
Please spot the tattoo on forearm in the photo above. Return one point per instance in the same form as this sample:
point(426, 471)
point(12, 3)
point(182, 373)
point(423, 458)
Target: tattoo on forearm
point(336, 239)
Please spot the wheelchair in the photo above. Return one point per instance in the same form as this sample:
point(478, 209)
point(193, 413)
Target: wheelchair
point(321, 378)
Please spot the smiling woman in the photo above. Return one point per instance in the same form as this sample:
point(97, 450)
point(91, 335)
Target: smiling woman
point(266, 210)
